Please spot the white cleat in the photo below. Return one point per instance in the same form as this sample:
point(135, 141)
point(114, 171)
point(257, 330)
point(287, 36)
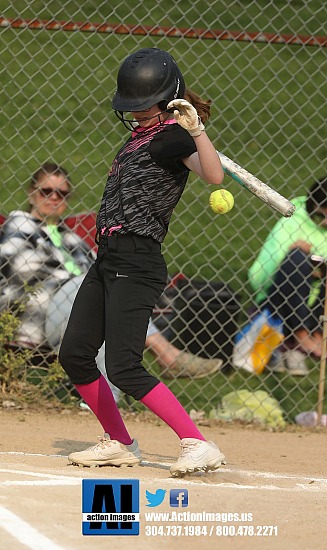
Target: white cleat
point(108, 452)
point(197, 456)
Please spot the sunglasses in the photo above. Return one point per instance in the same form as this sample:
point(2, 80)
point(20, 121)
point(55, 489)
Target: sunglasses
point(48, 191)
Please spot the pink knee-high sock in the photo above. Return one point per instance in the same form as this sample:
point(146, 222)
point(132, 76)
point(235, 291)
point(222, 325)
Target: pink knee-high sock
point(161, 401)
point(98, 396)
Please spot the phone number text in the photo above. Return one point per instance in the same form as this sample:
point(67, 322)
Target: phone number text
point(212, 531)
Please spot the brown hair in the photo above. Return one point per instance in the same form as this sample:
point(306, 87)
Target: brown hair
point(48, 168)
point(202, 106)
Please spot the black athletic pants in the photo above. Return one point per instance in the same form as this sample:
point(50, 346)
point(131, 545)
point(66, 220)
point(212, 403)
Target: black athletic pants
point(114, 304)
point(289, 295)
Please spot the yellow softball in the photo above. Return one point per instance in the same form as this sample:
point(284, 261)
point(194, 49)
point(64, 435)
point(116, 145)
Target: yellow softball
point(221, 201)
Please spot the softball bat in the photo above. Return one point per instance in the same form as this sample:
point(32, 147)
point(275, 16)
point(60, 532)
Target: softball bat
point(261, 190)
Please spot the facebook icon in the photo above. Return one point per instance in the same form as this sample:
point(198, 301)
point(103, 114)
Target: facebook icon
point(178, 498)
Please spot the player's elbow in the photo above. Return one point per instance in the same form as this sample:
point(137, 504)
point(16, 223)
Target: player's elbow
point(214, 173)
point(216, 178)
point(213, 177)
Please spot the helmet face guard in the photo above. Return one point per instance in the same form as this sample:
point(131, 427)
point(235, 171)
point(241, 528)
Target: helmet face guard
point(147, 77)
point(131, 124)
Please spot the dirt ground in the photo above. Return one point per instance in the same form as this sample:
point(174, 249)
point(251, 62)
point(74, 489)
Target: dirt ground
point(279, 478)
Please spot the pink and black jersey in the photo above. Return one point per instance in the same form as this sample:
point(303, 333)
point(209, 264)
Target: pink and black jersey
point(146, 181)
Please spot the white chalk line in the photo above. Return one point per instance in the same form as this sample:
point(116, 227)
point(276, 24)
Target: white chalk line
point(33, 474)
point(253, 473)
point(50, 479)
point(303, 483)
point(24, 532)
point(22, 453)
point(249, 473)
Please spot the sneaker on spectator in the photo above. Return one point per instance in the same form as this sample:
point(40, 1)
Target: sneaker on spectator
point(187, 365)
point(310, 419)
point(197, 455)
point(108, 452)
point(295, 362)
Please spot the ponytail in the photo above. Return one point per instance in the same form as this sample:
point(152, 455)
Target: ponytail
point(201, 105)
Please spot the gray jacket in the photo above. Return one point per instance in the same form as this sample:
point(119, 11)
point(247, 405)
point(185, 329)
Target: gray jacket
point(28, 256)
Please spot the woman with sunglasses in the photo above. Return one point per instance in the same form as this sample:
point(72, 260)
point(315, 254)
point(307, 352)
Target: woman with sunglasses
point(37, 249)
point(146, 181)
point(288, 277)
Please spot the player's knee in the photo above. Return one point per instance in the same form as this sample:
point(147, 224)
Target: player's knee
point(71, 359)
point(297, 256)
point(80, 367)
point(67, 358)
point(118, 379)
point(133, 381)
point(296, 262)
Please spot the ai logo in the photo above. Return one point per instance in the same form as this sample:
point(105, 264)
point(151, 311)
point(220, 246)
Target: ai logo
point(178, 498)
point(111, 506)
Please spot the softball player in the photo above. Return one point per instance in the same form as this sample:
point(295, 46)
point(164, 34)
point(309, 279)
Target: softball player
point(117, 296)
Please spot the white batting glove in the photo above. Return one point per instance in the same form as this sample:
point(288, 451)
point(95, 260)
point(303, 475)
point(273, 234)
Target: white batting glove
point(186, 116)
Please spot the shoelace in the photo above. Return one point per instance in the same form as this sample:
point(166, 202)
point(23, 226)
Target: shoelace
point(186, 447)
point(103, 442)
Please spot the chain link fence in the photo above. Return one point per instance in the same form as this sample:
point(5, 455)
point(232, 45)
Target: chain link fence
point(263, 65)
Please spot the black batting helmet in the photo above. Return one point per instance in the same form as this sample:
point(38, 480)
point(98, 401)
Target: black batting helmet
point(147, 77)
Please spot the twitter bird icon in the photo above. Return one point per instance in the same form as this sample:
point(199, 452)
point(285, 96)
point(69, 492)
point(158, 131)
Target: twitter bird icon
point(154, 499)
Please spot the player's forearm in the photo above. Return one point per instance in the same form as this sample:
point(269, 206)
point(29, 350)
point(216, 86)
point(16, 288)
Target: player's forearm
point(211, 168)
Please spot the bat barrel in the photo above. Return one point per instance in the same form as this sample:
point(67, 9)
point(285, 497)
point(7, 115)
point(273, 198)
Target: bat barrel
point(261, 190)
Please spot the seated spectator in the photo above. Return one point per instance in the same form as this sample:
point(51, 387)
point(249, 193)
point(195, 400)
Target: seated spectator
point(37, 249)
point(289, 284)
